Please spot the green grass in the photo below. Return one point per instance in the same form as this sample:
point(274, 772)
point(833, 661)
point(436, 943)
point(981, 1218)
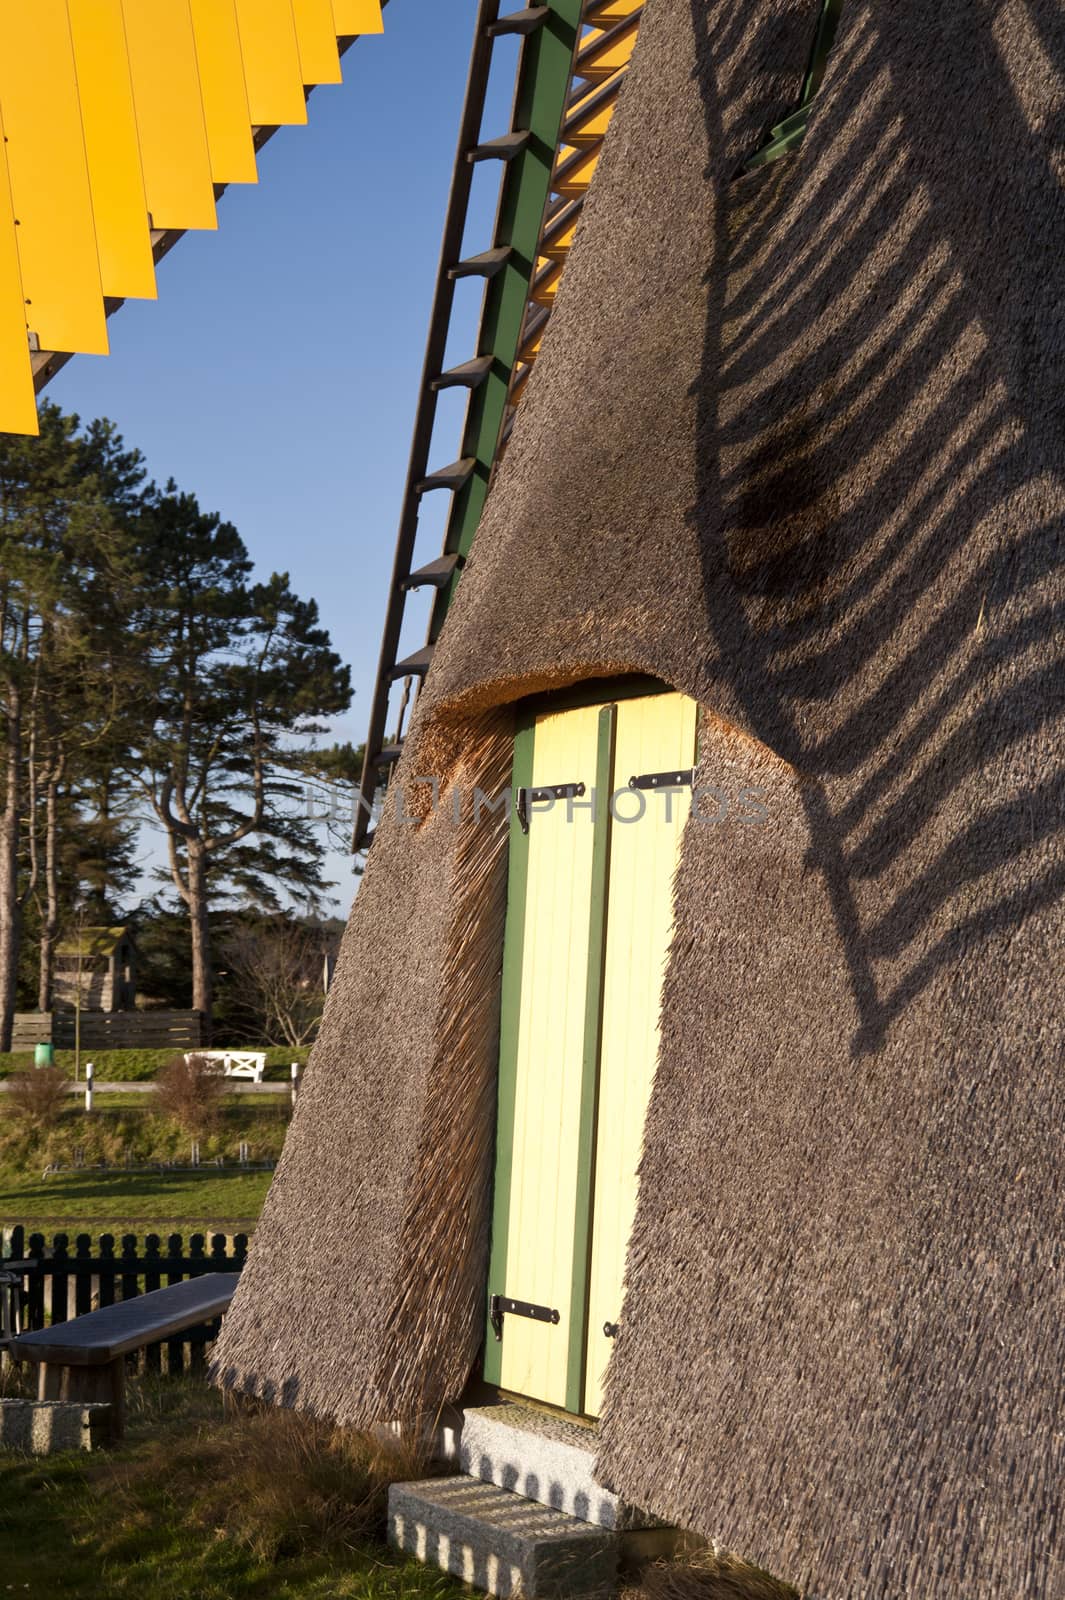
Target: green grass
point(101, 1202)
point(195, 1506)
point(131, 1066)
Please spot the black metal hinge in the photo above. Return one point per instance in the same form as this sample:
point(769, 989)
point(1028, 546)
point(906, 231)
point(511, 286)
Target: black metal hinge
point(500, 1306)
point(663, 780)
point(553, 791)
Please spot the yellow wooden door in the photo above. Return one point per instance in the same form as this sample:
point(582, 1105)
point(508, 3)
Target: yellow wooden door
point(588, 925)
point(655, 736)
point(538, 1156)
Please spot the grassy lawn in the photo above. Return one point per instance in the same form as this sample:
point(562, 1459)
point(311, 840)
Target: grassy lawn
point(194, 1506)
point(122, 1202)
point(130, 1126)
point(129, 1066)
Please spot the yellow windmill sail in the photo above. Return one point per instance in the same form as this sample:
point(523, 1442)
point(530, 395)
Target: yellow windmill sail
point(151, 107)
point(271, 62)
point(225, 95)
point(112, 149)
point(16, 382)
point(54, 228)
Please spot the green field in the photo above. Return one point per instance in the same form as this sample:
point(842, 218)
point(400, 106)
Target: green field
point(224, 1202)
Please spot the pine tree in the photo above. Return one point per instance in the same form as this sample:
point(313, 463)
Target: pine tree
point(64, 550)
point(237, 674)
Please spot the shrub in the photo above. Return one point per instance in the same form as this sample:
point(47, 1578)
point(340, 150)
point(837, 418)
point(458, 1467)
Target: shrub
point(39, 1096)
point(191, 1092)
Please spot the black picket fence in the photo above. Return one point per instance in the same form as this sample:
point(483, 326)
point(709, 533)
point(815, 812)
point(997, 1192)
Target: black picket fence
point(54, 1283)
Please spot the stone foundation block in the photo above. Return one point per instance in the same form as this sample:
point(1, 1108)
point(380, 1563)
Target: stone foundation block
point(501, 1543)
point(45, 1427)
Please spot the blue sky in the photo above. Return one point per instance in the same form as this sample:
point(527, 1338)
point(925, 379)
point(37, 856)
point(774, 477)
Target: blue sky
point(277, 373)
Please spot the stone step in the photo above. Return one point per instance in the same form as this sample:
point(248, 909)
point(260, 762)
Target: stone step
point(501, 1543)
point(543, 1457)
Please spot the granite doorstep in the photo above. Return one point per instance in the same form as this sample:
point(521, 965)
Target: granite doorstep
point(501, 1543)
point(545, 1458)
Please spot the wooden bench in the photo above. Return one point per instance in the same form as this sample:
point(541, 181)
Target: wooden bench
point(84, 1359)
point(234, 1063)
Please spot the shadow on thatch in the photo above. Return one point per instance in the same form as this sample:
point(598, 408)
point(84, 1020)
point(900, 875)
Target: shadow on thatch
point(706, 1576)
point(869, 437)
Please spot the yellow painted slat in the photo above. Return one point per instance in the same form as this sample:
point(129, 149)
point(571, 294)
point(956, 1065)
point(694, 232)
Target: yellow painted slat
point(166, 94)
point(317, 41)
point(587, 123)
point(271, 62)
point(573, 178)
point(18, 412)
point(530, 349)
point(545, 284)
point(225, 98)
point(112, 149)
point(600, 54)
point(544, 1169)
point(49, 177)
point(610, 11)
point(357, 16)
point(654, 734)
point(556, 247)
point(517, 388)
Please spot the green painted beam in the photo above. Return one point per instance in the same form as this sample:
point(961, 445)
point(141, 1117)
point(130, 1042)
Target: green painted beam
point(509, 1020)
point(544, 78)
point(788, 135)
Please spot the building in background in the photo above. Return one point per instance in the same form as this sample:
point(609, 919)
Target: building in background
point(96, 970)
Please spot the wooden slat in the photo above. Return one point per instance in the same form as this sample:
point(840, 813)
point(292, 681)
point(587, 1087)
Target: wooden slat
point(655, 733)
point(317, 41)
point(357, 16)
point(271, 62)
point(55, 230)
point(544, 1160)
point(112, 149)
point(606, 50)
point(166, 93)
point(225, 97)
point(118, 1030)
point(18, 410)
point(31, 1028)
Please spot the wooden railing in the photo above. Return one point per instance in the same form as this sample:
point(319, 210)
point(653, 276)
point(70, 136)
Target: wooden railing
point(109, 1030)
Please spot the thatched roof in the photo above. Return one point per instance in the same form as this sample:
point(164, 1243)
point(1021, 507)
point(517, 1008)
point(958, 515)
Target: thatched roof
point(793, 445)
point(93, 942)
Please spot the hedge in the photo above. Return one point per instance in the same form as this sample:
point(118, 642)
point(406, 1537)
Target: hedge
point(138, 1066)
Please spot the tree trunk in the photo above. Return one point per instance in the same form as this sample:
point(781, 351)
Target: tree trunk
point(202, 996)
point(10, 905)
point(50, 918)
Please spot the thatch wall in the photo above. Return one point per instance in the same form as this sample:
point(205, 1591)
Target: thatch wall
point(793, 445)
point(365, 1290)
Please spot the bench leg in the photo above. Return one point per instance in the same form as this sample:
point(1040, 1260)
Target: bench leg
point(90, 1385)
